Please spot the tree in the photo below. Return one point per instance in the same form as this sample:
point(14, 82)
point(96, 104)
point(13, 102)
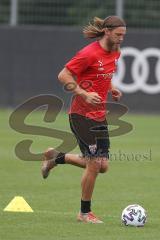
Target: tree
point(4, 11)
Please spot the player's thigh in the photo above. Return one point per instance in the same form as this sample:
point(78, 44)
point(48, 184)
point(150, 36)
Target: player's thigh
point(92, 136)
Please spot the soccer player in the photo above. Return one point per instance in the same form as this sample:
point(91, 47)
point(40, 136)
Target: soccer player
point(90, 73)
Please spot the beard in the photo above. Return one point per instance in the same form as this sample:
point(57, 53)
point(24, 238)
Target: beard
point(113, 46)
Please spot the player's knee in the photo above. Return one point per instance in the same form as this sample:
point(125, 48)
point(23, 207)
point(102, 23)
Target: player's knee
point(103, 169)
point(94, 166)
point(104, 166)
point(49, 153)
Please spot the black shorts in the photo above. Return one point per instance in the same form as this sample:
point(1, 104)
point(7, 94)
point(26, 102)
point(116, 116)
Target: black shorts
point(92, 136)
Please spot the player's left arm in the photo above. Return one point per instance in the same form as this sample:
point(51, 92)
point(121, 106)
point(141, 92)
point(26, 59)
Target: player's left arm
point(116, 93)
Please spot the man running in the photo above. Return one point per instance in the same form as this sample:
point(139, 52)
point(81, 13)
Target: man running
point(90, 71)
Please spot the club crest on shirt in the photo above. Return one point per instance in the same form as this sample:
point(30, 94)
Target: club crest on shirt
point(93, 148)
point(100, 68)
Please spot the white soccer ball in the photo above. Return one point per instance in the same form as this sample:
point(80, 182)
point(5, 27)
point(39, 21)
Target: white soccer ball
point(134, 215)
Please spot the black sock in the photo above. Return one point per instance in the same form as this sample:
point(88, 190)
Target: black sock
point(85, 206)
point(60, 159)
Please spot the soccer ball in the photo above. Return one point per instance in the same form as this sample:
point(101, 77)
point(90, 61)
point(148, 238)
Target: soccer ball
point(134, 215)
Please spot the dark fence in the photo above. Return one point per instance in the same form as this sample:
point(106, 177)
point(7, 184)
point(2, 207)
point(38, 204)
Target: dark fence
point(137, 13)
point(31, 58)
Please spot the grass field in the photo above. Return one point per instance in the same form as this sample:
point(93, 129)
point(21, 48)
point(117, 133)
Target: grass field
point(55, 201)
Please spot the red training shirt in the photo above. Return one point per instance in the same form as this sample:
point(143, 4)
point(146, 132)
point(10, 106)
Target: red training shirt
point(94, 67)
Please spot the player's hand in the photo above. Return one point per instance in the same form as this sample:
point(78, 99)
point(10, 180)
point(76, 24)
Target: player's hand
point(92, 98)
point(116, 94)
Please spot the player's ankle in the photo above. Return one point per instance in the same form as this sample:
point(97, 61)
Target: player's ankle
point(85, 206)
point(60, 159)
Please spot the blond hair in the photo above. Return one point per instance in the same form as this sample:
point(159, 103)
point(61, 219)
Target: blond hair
point(96, 28)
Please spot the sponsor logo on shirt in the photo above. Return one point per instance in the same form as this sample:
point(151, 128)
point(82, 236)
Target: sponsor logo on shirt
point(100, 68)
point(105, 75)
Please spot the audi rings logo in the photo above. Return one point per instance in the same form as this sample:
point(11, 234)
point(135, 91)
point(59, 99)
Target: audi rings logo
point(140, 70)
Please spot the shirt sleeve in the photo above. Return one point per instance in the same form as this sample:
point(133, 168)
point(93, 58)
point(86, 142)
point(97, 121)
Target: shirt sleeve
point(79, 63)
point(119, 54)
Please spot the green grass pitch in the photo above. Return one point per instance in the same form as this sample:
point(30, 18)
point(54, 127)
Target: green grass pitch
point(55, 201)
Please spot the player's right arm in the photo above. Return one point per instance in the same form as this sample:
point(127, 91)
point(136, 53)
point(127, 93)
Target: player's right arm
point(68, 79)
